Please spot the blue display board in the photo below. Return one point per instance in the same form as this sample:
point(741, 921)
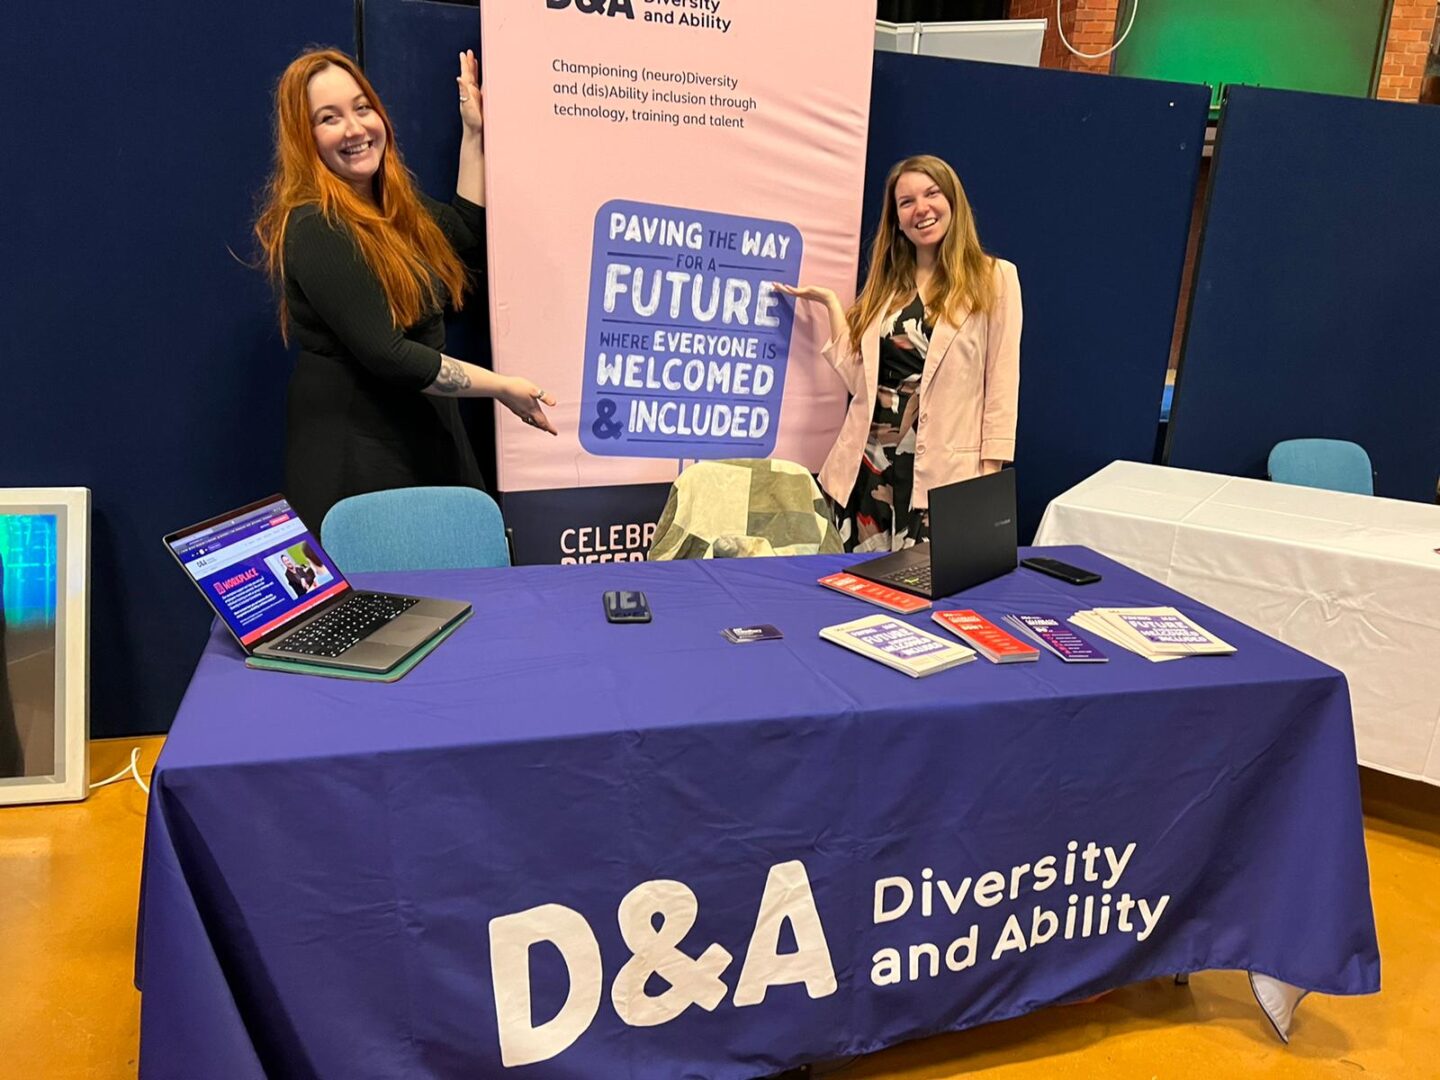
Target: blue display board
point(142, 356)
point(1314, 303)
point(1087, 184)
point(412, 52)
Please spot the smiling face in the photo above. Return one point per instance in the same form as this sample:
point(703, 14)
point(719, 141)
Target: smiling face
point(921, 210)
point(349, 134)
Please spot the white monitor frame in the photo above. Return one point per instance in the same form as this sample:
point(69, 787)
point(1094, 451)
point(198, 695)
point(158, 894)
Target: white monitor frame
point(69, 779)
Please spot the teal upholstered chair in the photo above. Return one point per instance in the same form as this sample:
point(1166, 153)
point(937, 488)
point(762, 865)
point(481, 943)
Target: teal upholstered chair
point(1322, 463)
point(422, 528)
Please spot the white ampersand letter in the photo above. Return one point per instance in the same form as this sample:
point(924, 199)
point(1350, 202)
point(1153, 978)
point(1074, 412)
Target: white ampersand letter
point(654, 951)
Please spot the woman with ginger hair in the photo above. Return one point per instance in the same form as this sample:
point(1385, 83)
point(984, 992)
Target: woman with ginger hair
point(364, 265)
point(930, 352)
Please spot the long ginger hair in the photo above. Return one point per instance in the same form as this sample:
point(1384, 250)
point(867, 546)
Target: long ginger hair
point(964, 274)
point(397, 237)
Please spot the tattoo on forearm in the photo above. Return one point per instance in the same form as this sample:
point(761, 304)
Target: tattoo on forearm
point(452, 378)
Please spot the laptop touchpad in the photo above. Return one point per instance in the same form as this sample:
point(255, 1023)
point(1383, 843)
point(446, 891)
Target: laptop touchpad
point(405, 630)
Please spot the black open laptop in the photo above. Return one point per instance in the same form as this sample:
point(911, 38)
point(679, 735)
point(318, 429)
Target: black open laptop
point(273, 586)
point(972, 539)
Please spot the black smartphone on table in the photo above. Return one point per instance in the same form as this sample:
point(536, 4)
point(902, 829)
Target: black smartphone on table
point(1062, 570)
point(622, 607)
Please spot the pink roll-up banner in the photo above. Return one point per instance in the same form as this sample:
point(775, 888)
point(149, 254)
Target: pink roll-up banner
point(652, 167)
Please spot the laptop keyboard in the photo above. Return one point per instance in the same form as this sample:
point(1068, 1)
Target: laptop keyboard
point(916, 577)
point(338, 629)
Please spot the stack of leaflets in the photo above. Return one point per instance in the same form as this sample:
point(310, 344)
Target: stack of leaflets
point(739, 635)
point(1156, 633)
point(893, 599)
point(986, 638)
point(898, 645)
point(1058, 638)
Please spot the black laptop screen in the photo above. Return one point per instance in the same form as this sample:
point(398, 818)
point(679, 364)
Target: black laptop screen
point(259, 569)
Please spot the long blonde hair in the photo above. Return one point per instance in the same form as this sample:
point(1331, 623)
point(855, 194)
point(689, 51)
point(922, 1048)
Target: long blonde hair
point(397, 237)
point(964, 273)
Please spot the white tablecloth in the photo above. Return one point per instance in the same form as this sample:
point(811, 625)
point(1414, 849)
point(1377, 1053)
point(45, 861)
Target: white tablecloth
point(1350, 579)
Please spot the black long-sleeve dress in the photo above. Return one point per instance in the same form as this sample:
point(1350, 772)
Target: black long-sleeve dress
point(356, 420)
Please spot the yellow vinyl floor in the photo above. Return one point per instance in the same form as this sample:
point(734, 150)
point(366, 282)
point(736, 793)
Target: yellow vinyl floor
point(70, 876)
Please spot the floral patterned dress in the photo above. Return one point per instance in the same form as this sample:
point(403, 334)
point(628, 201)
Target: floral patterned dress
point(879, 516)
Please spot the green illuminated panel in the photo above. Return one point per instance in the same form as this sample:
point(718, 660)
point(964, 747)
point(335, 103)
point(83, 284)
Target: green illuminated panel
point(27, 568)
point(1329, 46)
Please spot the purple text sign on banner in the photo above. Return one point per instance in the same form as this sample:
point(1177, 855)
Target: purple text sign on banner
point(687, 343)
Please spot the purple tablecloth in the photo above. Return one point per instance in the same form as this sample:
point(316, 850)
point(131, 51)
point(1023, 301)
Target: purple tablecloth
point(478, 870)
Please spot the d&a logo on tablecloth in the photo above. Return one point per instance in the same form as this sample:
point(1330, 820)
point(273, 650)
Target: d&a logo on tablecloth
point(654, 950)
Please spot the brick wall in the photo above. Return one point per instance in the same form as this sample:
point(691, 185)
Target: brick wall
point(1090, 27)
point(1403, 68)
point(1041, 9)
point(1092, 31)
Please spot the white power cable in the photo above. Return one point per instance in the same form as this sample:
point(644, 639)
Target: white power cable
point(130, 770)
point(1060, 25)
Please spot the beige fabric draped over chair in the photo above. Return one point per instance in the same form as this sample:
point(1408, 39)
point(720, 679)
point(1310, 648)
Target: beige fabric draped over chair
point(742, 508)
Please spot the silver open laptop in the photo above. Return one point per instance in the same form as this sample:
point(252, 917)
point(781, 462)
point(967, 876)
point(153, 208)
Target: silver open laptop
point(267, 577)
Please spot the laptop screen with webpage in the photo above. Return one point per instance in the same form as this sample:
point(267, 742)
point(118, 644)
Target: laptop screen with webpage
point(260, 567)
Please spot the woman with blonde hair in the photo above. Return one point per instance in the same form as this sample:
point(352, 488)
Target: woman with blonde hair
point(930, 352)
point(365, 265)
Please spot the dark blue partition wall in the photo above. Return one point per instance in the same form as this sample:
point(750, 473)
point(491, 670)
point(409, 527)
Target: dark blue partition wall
point(140, 358)
point(1315, 299)
point(1086, 183)
point(411, 56)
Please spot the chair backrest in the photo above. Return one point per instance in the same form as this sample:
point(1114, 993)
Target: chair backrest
point(1333, 464)
point(422, 528)
point(744, 506)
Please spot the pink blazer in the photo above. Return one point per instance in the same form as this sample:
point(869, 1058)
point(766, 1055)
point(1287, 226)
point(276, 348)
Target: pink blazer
point(969, 395)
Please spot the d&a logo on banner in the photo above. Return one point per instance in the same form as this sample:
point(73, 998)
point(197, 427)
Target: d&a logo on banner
point(706, 10)
point(596, 7)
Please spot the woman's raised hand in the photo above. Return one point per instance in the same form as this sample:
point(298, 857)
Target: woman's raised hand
point(524, 398)
point(818, 293)
point(471, 95)
point(826, 298)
